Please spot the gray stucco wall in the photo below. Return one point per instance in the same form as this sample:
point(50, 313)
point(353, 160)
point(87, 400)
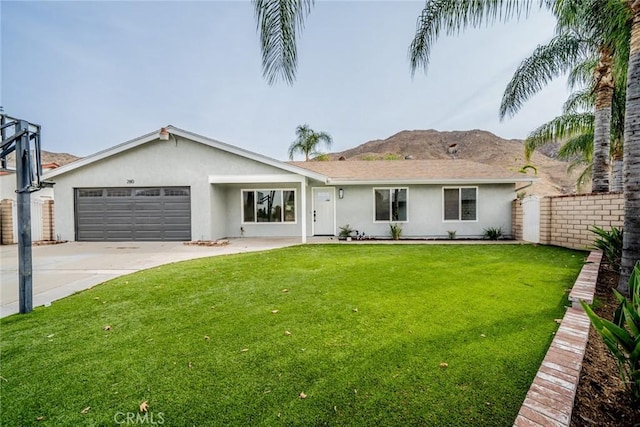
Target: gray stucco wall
point(161, 163)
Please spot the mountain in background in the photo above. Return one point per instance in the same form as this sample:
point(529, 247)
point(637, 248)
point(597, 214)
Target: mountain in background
point(48, 157)
point(474, 145)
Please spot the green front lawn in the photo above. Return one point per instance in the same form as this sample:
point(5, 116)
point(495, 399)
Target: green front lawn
point(361, 330)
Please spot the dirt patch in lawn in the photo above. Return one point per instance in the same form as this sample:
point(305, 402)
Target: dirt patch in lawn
point(601, 399)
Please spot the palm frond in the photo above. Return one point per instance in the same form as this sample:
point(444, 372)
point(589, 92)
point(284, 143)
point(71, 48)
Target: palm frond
point(450, 17)
point(579, 101)
point(585, 177)
point(562, 127)
point(279, 22)
point(548, 61)
point(581, 75)
point(580, 146)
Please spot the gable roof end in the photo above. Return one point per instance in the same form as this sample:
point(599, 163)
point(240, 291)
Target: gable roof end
point(152, 136)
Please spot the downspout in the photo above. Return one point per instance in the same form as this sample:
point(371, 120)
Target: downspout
point(517, 190)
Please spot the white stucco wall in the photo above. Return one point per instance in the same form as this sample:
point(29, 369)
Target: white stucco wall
point(8, 189)
point(425, 211)
point(233, 205)
point(158, 164)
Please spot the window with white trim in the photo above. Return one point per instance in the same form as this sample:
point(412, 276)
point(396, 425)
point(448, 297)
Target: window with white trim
point(390, 204)
point(460, 204)
point(268, 206)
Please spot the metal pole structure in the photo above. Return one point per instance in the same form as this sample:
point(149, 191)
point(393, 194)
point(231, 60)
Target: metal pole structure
point(23, 181)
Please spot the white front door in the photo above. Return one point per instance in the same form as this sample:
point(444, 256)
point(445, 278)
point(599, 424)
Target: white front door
point(324, 211)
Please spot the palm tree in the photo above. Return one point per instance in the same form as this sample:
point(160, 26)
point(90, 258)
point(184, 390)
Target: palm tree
point(582, 49)
point(307, 142)
point(631, 237)
point(574, 130)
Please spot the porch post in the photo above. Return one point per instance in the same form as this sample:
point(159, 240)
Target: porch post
point(303, 208)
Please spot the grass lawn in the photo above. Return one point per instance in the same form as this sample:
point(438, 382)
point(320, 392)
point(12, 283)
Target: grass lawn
point(361, 330)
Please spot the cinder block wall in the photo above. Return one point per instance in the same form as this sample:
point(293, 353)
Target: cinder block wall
point(545, 220)
point(48, 221)
point(565, 220)
point(517, 219)
point(571, 217)
point(6, 222)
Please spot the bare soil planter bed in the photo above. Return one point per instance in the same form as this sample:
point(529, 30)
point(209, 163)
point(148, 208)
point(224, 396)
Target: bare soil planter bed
point(601, 399)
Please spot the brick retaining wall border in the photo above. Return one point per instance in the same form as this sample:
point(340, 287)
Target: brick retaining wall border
point(549, 401)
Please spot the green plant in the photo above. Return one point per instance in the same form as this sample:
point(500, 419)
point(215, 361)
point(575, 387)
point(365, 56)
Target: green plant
point(622, 336)
point(395, 230)
point(345, 231)
point(492, 233)
point(322, 157)
point(392, 156)
point(452, 234)
point(610, 243)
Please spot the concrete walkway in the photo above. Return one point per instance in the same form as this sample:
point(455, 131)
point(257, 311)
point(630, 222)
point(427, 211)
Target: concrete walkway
point(60, 270)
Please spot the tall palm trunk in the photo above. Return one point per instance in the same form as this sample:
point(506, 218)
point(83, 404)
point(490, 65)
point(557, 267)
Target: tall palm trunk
point(631, 239)
point(602, 123)
point(617, 173)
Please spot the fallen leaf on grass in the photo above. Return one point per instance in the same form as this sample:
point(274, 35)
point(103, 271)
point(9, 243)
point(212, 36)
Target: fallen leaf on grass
point(107, 327)
point(444, 365)
point(355, 310)
point(285, 290)
point(85, 410)
point(558, 321)
point(244, 350)
point(483, 335)
point(302, 395)
point(144, 406)
point(275, 311)
point(40, 418)
point(287, 333)
point(206, 337)
point(50, 335)
point(190, 365)
point(97, 298)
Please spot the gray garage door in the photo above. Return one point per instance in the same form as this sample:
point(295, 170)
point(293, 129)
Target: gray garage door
point(126, 214)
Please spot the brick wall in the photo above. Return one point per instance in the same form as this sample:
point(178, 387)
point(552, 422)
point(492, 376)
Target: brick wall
point(565, 220)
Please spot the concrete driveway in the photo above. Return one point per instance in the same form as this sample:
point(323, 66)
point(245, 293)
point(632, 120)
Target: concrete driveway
point(60, 270)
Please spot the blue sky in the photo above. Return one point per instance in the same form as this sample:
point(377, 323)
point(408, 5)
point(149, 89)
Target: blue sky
point(95, 74)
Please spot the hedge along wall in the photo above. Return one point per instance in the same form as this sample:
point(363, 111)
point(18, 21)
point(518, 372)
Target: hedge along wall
point(565, 220)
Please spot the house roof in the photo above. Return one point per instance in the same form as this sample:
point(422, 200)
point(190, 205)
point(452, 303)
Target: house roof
point(153, 136)
point(452, 171)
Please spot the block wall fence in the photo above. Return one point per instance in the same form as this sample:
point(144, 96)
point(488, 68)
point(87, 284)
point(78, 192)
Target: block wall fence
point(7, 233)
point(565, 220)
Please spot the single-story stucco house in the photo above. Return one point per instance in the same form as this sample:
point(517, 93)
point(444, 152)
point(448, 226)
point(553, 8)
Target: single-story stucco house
point(176, 185)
